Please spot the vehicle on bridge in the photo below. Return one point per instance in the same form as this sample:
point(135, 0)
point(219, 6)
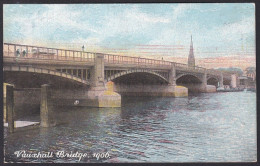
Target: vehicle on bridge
point(40, 53)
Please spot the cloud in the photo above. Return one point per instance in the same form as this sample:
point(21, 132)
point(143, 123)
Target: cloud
point(140, 17)
point(233, 30)
point(41, 26)
point(181, 9)
point(124, 26)
point(64, 23)
point(229, 38)
point(131, 20)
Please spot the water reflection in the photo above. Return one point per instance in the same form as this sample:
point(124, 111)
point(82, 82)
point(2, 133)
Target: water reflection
point(204, 127)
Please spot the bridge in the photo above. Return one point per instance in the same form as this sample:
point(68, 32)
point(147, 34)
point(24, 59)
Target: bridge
point(69, 77)
point(86, 75)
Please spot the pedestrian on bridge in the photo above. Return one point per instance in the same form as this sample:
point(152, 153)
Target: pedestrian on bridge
point(17, 52)
point(24, 53)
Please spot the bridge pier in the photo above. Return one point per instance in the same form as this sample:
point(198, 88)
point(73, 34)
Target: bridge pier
point(204, 82)
point(233, 81)
point(205, 87)
point(151, 90)
point(46, 108)
point(175, 91)
point(172, 75)
point(98, 93)
point(221, 84)
point(10, 107)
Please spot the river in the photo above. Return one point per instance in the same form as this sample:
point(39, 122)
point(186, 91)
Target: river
point(207, 127)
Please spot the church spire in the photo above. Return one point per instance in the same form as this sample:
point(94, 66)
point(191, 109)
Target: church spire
point(191, 59)
point(191, 44)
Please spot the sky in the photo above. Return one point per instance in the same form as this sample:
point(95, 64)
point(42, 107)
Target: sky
point(146, 30)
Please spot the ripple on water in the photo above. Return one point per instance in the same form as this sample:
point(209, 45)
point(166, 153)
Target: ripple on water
point(202, 128)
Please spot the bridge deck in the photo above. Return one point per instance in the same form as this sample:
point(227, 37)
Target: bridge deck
point(26, 55)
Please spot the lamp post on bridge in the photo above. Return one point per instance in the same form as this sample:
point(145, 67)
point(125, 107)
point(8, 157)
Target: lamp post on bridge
point(83, 48)
point(82, 51)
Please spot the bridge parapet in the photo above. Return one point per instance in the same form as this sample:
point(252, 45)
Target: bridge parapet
point(185, 67)
point(45, 53)
point(214, 72)
point(35, 52)
point(116, 59)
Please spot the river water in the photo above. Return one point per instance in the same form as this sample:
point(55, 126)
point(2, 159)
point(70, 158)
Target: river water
point(210, 127)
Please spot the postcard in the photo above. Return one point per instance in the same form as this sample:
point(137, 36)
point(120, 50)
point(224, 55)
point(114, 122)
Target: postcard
point(129, 83)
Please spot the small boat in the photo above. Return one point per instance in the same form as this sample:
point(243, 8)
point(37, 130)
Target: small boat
point(251, 89)
point(222, 89)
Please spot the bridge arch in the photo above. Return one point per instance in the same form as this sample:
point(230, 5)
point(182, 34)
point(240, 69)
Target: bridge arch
point(133, 72)
point(213, 81)
point(226, 81)
point(190, 81)
point(188, 78)
point(43, 72)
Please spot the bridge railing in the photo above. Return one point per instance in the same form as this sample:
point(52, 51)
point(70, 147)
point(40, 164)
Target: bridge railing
point(34, 52)
point(213, 72)
point(119, 59)
point(186, 67)
point(225, 74)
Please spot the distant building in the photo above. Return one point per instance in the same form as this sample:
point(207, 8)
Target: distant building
point(232, 70)
point(191, 59)
point(251, 72)
point(248, 80)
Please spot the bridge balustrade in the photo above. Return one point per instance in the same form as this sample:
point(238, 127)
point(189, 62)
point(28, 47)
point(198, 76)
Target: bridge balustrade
point(226, 75)
point(114, 59)
point(213, 72)
point(33, 52)
point(185, 67)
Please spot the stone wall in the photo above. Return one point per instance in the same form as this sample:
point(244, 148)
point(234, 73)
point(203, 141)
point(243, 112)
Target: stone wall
point(150, 90)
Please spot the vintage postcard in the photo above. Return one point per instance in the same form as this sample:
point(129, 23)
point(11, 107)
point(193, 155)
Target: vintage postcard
point(138, 83)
